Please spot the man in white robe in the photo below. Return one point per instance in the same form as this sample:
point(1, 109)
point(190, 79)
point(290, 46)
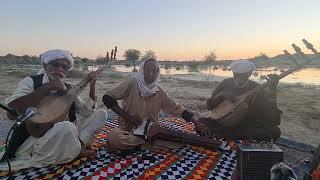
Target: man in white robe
point(67, 139)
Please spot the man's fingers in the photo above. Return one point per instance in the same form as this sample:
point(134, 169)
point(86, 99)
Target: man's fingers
point(208, 132)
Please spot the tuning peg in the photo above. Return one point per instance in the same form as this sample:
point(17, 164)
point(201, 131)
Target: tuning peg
point(115, 52)
point(291, 57)
point(310, 46)
point(307, 44)
point(111, 57)
point(298, 50)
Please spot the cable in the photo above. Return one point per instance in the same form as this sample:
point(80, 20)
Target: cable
point(6, 147)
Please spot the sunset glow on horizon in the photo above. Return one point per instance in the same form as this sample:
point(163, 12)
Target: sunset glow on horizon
point(175, 30)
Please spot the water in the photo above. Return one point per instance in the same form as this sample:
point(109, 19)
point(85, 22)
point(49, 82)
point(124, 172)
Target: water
point(306, 76)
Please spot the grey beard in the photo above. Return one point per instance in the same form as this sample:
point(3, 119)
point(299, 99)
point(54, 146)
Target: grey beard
point(54, 78)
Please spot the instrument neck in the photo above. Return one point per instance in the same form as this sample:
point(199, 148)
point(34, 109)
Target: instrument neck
point(284, 74)
point(75, 90)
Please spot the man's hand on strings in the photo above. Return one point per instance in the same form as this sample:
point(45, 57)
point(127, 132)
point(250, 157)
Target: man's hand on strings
point(271, 90)
point(273, 81)
point(54, 86)
point(202, 129)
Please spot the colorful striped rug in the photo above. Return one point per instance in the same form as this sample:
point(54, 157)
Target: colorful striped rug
point(188, 162)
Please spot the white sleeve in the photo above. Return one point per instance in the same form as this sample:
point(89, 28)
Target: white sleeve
point(24, 87)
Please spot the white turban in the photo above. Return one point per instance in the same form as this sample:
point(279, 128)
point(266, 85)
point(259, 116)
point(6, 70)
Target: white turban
point(55, 54)
point(242, 66)
point(147, 89)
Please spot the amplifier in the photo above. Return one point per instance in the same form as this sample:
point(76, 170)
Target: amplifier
point(255, 160)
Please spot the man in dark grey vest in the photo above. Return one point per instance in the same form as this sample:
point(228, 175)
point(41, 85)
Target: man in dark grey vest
point(66, 139)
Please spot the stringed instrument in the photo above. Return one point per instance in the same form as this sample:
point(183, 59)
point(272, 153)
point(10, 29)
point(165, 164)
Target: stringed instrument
point(229, 113)
point(182, 137)
point(55, 107)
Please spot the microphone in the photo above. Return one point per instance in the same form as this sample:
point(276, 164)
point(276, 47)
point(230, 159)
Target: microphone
point(23, 117)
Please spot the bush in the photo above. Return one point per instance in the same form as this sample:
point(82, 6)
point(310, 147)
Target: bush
point(211, 56)
point(132, 55)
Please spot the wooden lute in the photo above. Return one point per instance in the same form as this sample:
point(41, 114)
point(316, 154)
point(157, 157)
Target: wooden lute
point(55, 108)
point(229, 113)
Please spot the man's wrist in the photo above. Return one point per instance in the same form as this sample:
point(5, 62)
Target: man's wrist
point(194, 120)
point(187, 115)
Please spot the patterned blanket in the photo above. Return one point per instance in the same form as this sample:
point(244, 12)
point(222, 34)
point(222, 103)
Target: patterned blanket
point(189, 162)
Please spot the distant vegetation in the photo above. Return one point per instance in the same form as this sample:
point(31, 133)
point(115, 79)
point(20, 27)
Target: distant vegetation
point(262, 56)
point(210, 57)
point(148, 54)
point(132, 57)
point(12, 59)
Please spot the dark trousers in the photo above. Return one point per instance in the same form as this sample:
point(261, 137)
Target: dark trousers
point(261, 133)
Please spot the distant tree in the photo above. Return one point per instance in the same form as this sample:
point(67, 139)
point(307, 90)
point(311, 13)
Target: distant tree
point(211, 56)
point(148, 54)
point(132, 55)
point(10, 56)
point(100, 60)
point(85, 60)
point(262, 56)
point(36, 58)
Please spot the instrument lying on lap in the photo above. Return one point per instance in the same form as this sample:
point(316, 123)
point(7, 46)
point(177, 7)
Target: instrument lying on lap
point(182, 137)
point(229, 113)
point(149, 131)
point(55, 107)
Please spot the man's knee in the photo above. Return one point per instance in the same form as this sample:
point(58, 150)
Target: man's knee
point(64, 128)
point(119, 139)
point(275, 132)
point(102, 113)
point(115, 135)
point(99, 119)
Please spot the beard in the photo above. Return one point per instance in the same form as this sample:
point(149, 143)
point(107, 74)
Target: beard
point(56, 76)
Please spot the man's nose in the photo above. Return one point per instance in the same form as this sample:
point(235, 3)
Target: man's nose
point(60, 68)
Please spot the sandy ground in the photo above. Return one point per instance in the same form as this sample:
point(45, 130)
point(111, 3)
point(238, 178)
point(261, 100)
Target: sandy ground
point(300, 104)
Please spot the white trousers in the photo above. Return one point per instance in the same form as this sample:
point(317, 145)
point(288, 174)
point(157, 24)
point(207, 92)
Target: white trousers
point(60, 144)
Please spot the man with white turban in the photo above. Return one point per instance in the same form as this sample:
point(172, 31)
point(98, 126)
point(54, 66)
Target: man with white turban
point(143, 99)
point(66, 139)
point(263, 117)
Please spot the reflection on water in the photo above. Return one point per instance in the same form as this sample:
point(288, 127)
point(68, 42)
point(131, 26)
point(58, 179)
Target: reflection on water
point(303, 76)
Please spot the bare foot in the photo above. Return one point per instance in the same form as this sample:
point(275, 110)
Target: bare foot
point(85, 152)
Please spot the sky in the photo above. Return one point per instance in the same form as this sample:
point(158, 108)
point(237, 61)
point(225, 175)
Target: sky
point(174, 29)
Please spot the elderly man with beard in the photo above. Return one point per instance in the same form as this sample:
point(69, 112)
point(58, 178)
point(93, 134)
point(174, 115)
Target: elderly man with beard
point(66, 139)
point(263, 118)
point(143, 99)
